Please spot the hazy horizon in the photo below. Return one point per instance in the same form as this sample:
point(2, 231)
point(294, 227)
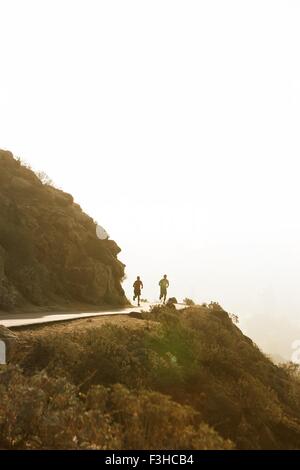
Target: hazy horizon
point(175, 126)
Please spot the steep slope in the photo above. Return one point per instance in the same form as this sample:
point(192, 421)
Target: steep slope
point(196, 359)
point(49, 251)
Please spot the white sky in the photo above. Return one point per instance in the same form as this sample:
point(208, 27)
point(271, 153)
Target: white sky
point(175, 124)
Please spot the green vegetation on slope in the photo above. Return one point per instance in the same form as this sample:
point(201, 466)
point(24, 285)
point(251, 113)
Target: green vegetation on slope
point(186, 379)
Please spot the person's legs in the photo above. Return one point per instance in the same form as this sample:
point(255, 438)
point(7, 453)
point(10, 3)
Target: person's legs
point(137, 295)
point(161, 294)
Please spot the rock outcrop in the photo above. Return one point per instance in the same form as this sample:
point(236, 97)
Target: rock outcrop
point(49, 250)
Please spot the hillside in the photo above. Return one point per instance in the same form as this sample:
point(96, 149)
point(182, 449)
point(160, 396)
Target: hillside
point(49, 251)
point(164, 379)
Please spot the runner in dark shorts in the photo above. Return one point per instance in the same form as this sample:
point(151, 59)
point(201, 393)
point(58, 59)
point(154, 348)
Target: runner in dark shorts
point(137, 288)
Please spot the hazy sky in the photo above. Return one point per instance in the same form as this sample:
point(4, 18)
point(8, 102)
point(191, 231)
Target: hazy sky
point(175, 124)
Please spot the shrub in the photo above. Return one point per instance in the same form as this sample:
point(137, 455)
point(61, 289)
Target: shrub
point(188, 302)
point(44, 178)
point(196, 358)
point(40, 412)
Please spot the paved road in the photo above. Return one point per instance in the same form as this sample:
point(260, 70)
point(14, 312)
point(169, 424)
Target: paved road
point(24, 319)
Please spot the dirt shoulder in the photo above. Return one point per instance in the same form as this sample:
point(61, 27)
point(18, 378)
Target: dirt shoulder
point(80, 325)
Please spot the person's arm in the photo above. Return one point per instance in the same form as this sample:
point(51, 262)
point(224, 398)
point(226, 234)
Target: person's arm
point(142, 285)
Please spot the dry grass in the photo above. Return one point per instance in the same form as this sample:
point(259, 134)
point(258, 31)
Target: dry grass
point(165, 366)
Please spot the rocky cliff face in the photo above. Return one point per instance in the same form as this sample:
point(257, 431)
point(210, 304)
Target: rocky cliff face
point(49, 250)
